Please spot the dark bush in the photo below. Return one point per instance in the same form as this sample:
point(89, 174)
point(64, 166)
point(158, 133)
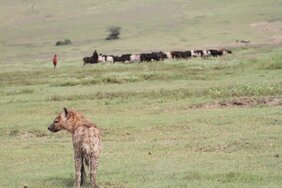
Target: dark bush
point(65, 42)
point(114, 33)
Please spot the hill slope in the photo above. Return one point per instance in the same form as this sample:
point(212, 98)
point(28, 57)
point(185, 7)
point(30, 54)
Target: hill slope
point(29, 29)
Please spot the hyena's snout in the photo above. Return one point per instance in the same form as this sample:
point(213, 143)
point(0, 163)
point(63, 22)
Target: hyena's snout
point(52, 128)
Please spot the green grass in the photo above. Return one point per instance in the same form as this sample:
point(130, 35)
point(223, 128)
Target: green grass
point(151, 135)
point(159, 121)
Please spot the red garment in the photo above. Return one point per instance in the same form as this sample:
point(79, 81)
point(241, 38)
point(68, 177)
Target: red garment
point(55, 60)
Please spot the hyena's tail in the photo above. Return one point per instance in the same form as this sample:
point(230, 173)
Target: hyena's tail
point(83, 173)
point(86, 160)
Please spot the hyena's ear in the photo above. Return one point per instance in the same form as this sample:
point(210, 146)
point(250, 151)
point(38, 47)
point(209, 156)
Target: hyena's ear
point(66, 112)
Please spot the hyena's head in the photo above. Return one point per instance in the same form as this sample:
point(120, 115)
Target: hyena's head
point(60, 122)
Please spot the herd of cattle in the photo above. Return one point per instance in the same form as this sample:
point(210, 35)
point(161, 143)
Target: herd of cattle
point(154, 56)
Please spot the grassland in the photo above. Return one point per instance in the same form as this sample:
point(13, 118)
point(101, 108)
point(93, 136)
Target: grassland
point(152, 134)
point(214, 122)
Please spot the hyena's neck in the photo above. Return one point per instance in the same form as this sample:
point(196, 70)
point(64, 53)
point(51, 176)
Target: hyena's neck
point(72, 127)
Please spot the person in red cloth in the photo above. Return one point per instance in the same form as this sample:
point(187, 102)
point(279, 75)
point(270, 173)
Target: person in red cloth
point(55, 61)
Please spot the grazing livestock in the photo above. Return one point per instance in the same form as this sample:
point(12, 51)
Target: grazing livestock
point(198, 53)
point(177, 55)
point(87, 143)
point(154, 56)
point(135, 57)
point(91, 60)
point(181, 55)
point(105, 58)
point(157, 56)
point(219, 52)
point(109, 58)
point(187, 54)
point(146, 57)
point(125, 57)
point(225, 51)
point(117, 59)
point(206, 53)
point(168, 55)
point(215, 52)
point(101, 58)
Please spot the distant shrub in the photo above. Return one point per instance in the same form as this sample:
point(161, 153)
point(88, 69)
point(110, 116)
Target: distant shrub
point(67, 84)
point(114, 33)
point(19, 92)
point(65, 42)
point(38, 133)
point(14, 132)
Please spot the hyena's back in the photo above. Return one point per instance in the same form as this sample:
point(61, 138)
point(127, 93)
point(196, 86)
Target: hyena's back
point(86, 140)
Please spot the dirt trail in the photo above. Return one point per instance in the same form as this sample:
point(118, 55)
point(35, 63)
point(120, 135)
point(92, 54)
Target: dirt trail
point(241, 102)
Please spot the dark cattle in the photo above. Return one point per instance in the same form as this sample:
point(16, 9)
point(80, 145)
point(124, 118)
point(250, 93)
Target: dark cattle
point(146, 57)
point(123, 58)
point(117, 59)
point(154, 56)
point(199, 53)
point(187, 54)
point(157, 56)
point(215, 52)
point(89, 60)
point(177, 54)
point(181, 54)
point(220, 52)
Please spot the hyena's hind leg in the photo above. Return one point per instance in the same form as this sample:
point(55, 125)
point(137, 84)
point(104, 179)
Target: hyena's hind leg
point(83, 173)
point(93, 171)
point(78, 166)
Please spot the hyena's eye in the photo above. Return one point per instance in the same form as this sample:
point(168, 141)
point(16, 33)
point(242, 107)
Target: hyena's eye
point(56, 121)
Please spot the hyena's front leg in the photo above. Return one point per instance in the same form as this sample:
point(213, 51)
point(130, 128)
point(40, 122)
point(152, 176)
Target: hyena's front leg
point(93, 171)
point(78, 165)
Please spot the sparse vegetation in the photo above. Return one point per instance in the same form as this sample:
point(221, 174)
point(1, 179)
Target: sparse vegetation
point(114, 33)
point(63, 43)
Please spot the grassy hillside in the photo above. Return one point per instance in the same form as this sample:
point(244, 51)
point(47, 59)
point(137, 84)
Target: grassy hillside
point(29, 30)
point(212, 122)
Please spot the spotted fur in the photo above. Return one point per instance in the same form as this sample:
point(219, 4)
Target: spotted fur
point(87, 143)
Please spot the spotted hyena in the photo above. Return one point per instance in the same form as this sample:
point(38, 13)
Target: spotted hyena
point(86, 143)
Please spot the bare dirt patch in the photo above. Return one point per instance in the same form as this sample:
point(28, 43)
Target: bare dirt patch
point(229, 147)
point(265, 26)
point(241, 102)
point(272, 31)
